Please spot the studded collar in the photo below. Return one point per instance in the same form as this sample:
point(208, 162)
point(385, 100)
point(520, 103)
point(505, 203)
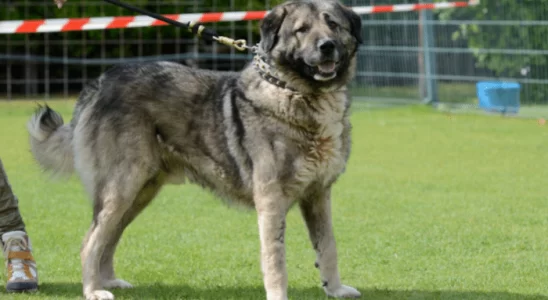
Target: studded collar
point(268, 73)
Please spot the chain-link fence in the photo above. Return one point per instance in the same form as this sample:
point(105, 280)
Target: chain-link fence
point(54, 65)
point(407, 57)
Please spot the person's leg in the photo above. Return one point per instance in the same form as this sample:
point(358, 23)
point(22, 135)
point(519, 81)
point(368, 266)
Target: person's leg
point(21, 268)
point(10, 218)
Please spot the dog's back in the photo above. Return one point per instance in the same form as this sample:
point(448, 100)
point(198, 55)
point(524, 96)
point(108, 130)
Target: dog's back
point(156, 115)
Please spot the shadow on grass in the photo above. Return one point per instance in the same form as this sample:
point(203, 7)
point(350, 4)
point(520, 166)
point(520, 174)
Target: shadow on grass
point(159, 291)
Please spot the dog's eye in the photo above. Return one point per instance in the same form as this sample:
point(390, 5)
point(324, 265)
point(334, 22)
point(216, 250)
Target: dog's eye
point(302, 29)
point(332, 24)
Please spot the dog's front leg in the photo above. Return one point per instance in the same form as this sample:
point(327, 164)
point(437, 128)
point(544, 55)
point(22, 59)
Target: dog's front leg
point(272, 209)
point(316, 211)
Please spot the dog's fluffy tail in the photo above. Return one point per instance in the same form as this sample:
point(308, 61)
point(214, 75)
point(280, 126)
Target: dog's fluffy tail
point(51, 141)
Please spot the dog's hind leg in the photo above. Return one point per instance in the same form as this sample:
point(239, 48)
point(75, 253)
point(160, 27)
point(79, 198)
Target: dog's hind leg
point(114, 200)
point(108, 277)
point(316, 211)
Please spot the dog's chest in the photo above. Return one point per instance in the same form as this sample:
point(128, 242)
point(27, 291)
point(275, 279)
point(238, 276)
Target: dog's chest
point(322, 156)
point(322, 152)
point(316, 126)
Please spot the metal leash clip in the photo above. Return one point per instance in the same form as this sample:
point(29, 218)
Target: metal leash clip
point(240, 45)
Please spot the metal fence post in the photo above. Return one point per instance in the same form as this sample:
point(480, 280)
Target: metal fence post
point(429, 56)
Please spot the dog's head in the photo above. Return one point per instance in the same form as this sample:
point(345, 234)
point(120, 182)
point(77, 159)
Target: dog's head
point(313, 40)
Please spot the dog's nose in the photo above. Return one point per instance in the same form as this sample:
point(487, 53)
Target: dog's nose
point(326, 46)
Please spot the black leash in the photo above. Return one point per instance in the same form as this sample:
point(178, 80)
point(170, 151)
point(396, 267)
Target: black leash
point(196, 29)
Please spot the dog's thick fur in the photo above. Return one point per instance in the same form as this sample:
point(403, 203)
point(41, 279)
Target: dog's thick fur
point(138, 127)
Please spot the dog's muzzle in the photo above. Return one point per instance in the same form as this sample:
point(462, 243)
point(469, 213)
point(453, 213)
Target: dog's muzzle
point(326, 68)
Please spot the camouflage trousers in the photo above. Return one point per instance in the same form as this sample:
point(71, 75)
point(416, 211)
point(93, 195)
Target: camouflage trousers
point(10, 218)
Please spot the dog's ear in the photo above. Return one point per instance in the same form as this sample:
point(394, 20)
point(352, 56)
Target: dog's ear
point(355, 23)
point(270, 27)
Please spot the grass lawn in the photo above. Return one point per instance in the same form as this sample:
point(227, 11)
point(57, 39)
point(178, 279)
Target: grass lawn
point(448, 92)
point(453, 97)
point(432, 206)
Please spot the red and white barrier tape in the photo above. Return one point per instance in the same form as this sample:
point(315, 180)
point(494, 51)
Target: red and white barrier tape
point(82, 24)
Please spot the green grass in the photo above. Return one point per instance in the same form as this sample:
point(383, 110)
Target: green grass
point(454, 98)
point(463, 93)
point(432, 206)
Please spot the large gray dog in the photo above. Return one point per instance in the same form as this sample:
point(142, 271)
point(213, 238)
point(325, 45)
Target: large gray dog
point(275, 134)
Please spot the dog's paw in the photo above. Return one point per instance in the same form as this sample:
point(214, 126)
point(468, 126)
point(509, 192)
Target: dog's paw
point(342, 292)
point(99, 295)
point(116, 284)
point(276, 295)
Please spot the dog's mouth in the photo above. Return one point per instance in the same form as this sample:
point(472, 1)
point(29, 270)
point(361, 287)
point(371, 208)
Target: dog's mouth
point(326, 70)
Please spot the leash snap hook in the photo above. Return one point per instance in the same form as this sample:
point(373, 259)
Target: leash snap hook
point(240, 45)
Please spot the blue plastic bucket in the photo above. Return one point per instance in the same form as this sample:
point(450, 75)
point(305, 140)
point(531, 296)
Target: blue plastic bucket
point(498, 96)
